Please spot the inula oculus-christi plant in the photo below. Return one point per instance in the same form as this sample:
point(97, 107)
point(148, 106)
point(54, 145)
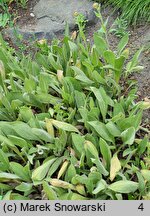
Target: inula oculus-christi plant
point(67, 131)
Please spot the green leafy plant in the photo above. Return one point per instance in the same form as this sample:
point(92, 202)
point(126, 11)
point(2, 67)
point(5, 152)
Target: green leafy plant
point(5, 16)
point(4, 20)
point(119, 27)
point(67, 131)
point(23, 3)
point(133, 11)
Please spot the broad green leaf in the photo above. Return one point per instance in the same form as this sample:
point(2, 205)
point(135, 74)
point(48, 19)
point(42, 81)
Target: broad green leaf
point(5, 187)
point(105, 150)
point(25, 113)
point(76, 196)
point(40, 172)
point(142, 145)
point(142, 183)
point(23, 130)
point(89, 146)
point(42, 135)
point(102, 130)
point(44, 81)
point(8, 176)
point(100, 43)
point(47, 99)
point(146, 174)
point(124, 186)
point(98, 78)
point(15, 196)
point(6, 140)
point(100, 166)
point(18, 141)
point(19, 170)
point(64, 126)
point(29, 85)
point(4, 159)
point(118, 109)
point(79, 98)
point(94, 175)
point(134, 60)
point(79, 179)
point(95, 57)
point(55, 166)
point(71, 172)
point(113, 129)
point(101, 100)
point(24, 187)
point(50, 193)
point(74, 50)
point(78, 144)
point(115, 167)
point(101, 185)
point(122, 44)
point(128, 136)
point(65, 196)
point(80, 75)
point(109, 57)
point(54, 63)
point(7, 196)
point(131, 121)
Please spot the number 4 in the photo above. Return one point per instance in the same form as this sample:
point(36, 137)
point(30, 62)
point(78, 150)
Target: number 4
point(141, 207)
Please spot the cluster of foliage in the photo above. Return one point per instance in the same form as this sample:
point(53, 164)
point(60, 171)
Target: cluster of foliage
point(119, 27)
point(5, 16)
point(21, 3)
point(133, 11)
point(66, 129)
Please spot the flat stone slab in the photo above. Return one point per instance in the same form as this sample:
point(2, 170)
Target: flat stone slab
point(51, 16)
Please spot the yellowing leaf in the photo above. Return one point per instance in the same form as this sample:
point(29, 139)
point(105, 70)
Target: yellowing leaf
point(2, 70)
point(60, 75)
point(114, 167)
point(146, 174)
point(62, 184)
point(64, 126)
point(63, 169)
point(81, 190)
point(49, 127)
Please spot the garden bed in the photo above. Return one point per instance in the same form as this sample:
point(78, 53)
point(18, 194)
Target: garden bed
point(71, 123)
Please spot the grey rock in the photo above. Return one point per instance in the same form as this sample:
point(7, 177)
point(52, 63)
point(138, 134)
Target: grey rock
point(51, 17)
